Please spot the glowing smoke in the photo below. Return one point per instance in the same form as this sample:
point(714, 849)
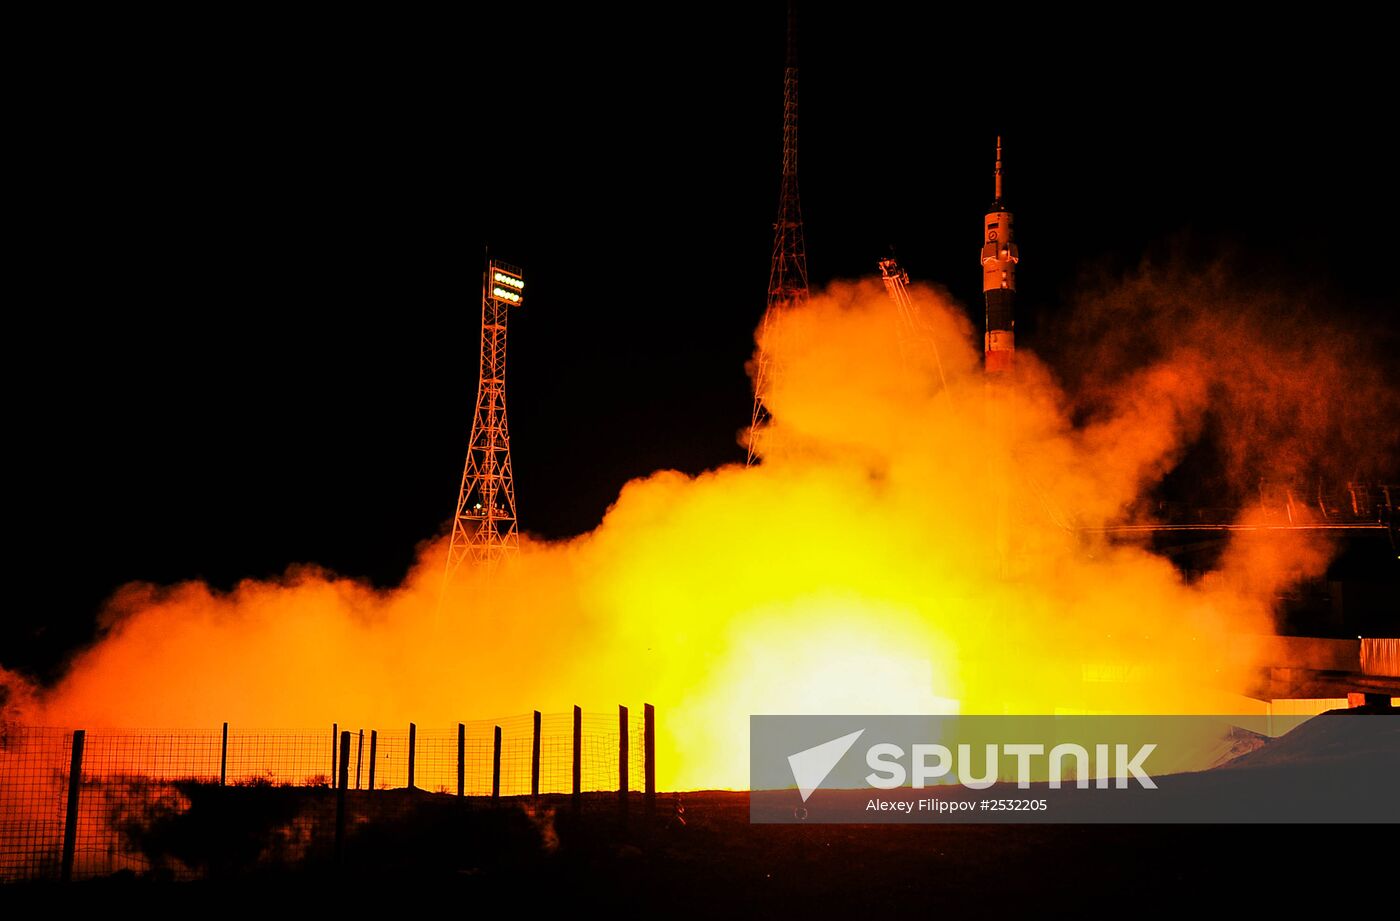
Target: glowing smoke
point(878, 560)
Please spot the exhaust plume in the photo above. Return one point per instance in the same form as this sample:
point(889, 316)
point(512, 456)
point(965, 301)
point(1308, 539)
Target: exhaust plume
point(899, 549)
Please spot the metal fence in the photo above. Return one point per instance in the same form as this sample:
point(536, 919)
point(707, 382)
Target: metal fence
point(187, 804)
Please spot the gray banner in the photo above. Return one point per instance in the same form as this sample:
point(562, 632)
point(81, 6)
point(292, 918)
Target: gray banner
point(1339, 767)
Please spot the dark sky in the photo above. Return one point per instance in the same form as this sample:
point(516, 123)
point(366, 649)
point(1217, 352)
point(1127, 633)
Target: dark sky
point(252, 249)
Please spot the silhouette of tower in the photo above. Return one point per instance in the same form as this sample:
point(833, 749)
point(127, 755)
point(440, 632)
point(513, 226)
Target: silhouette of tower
point(787, 279)
point(484, 529)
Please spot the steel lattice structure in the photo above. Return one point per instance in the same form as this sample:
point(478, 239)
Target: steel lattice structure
point(484, 528)
point(787, 279)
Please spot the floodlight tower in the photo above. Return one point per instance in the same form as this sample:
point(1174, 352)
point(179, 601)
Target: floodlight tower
point(484, 529)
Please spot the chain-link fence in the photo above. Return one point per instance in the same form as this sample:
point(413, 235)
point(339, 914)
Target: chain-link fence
point(189, 804)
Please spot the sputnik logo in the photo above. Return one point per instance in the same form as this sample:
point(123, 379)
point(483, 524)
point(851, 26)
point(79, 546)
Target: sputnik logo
point(810, 766)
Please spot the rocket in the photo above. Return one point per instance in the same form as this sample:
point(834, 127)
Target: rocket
point(999, 258)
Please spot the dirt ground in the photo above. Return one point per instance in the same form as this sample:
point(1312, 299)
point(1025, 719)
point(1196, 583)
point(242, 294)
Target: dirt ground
point(697, 854)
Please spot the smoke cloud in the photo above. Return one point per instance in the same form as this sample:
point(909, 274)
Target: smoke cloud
point(902, 548)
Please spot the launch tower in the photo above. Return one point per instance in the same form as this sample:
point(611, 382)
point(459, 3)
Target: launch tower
point(787, 279)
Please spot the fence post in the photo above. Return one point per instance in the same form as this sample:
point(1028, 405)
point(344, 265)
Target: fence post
point(342, 781)
point(335, 737)
point(223, 759)
point(373, 750)
point(496, 768)
point(461, 759)
point(578, 754)
point(359, 758)
point(535, 760)
point(412, 751)
point(622, 757)
point(649, 753)
point(70, 821)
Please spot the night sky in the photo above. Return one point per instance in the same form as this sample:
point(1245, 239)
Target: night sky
point(253, 254)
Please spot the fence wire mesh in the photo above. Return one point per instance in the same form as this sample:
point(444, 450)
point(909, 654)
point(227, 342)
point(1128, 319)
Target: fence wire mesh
point(187, 804)
point(33, 800)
